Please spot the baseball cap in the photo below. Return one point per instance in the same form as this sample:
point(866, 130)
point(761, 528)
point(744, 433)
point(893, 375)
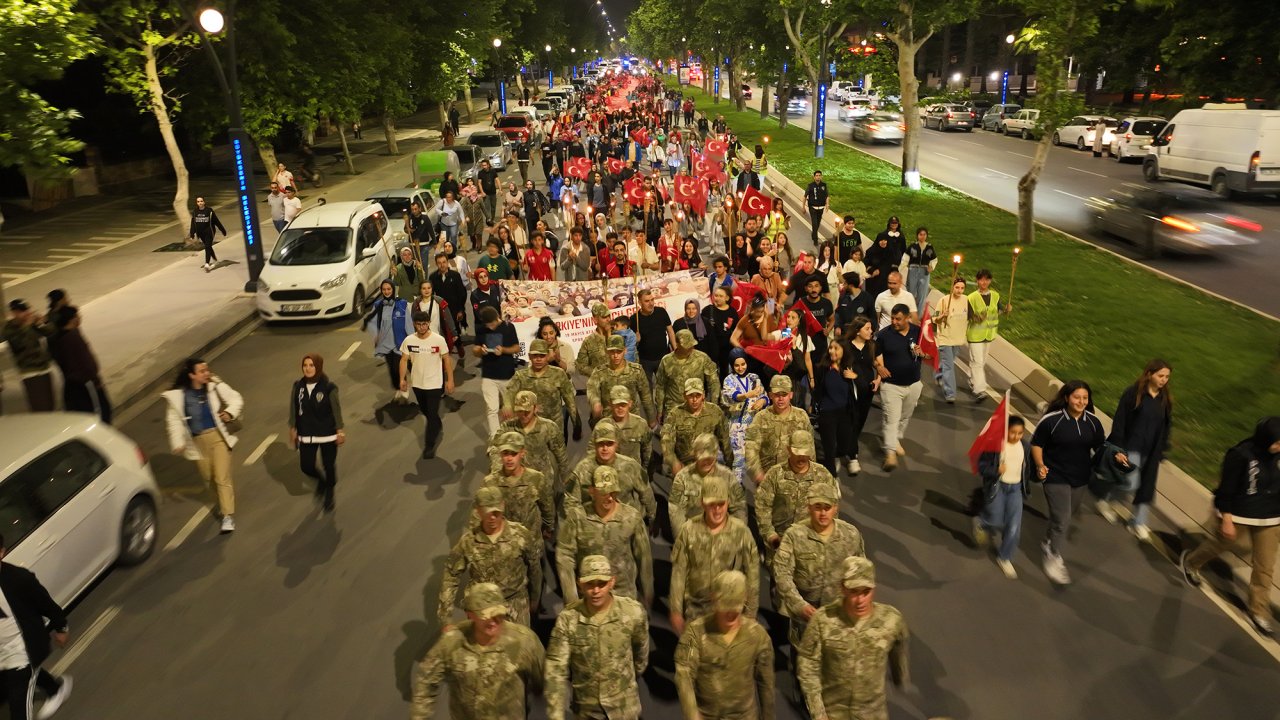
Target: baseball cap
point(489, 499)
point(525, 401)
point(604, 479)
point(538, 347)
point(510, 441)
point(802, 443)
point(693, 386)
point(619, 394)
point(600, 310)
point(715, 489)
point(858, 572)
point(780, 384)
point(705, 446)
point(685, 338)
point(594, 567)
point(822, 492)
point(485, 600)
point(617, 343)
point(605, 431)
point(729, 591)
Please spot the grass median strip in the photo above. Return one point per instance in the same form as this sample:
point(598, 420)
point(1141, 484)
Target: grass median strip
point(1078, 311)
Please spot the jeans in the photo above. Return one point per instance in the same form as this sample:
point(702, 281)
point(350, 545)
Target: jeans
point(1003, 513)
point(329, 457)
point(1063, 501)
point(1264, 541)
point(20, 685)
point(451, 234)
point(490, 206)
point(918, 286)
point(1141, 512)
point(978, 367)
point(429, 402)
point(492, 391)
point(946, 375)
point(899, 403)
point(279, 224)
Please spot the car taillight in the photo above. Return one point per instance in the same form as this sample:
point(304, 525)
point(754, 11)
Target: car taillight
point(1254, 161)
point(948, 114)
point(1177, 222)
point(972, 115)
point(872, 126)
point(1243, 224)
point(1128, 136)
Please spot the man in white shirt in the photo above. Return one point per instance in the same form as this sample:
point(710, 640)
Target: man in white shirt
point(292, 204)
point(425, 366)
point(27, 613)
point(893, 296)
point(640, 253)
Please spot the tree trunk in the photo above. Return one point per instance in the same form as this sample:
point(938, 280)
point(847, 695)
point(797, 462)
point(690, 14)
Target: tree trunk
point(346, 151)
point(389, 129)
point(1027, 190)
point(908, 46)
point(970, 31)
point(735, 86)
point(764, 97)
point(466, 95)
point(161, 112)
point(267, 153)
point(944, 62)
point(784, 91)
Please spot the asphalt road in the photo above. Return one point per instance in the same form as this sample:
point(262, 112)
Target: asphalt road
point(304, 615)
point(987, 166)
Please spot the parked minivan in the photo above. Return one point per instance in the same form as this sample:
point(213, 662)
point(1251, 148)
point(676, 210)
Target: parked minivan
point(329, 261)
point(1225, 146)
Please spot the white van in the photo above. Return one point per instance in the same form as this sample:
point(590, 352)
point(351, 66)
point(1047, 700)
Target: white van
point(327, 263)
point(1225, 146)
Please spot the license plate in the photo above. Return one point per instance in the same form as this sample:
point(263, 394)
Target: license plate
point(1269, 171)
point(296, 308)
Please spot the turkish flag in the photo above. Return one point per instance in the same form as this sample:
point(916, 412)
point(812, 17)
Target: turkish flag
point(928, 343)
point(633, 191)
point(691, 190)
point(811, 324)
point(641, 136)
point(578, 167)
point(776, 354)
point(755, 202)
point(992, 437)
point(716, 149)
point(743, 294)
point(615, 165)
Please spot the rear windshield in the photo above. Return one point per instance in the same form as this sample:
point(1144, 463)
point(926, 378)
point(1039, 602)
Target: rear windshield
point(513, 122)
point(486, 141)
point(465, 155)
point(1146, 127)
point(312, 246)
point(396, 207)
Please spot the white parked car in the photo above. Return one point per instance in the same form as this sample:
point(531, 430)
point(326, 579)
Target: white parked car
point(1079, 131)
point(327, 263)
point(853, 109)
point(1022, 123)
point(1132, 137)
point(76, 497)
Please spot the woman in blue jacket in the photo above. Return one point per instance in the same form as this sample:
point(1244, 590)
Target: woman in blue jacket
point(391, 325)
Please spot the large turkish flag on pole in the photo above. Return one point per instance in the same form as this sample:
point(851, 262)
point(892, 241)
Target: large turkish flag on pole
point(693, 191)
point(755, 202)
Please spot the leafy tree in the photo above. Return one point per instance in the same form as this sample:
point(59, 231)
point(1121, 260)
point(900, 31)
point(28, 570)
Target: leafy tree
point(40, 38)
point(1223, 49)
point(816, 31)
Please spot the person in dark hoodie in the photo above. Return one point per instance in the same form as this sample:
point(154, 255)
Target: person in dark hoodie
point(82, 389)
point(315, 425)
point(30, 616)
point(203, 222)
point(1248, 505)
point(1140, 429)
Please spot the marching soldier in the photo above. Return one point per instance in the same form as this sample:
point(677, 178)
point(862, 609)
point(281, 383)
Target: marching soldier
point(617, 371)
point(848, 643)
point(525, 491)
point(692, 418)
point(498, 551)
point(684, 502)
point(599, 646)
point(781, 497)
point(707, 546)
point(679, 366)
point(550, 383)
point(609, 528)
point(591, 354)
point(633, 488)
point(491, 666)
point(635, 438)
point(543, 441)
point(724, 663)
point(770, 431)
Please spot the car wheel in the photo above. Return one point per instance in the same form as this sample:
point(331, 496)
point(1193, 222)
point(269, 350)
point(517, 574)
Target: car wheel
point(359, 302)
point(1151, 171)
point(1004, 130)
point(1025, 134)
point(1219, 186)
point(1056, 139)
point(1150, 246)
point(1080, 143)
point(942, 126)
point(138, 532)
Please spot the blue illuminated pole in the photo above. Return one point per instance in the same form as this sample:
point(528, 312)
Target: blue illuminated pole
point(1004, 88)
point(818, 147)
point(716, 99)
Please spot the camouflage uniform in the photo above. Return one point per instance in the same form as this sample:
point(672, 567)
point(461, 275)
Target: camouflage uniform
point(622, 537)
point(528, 498)
point(841, 663)
point(486, 682)
point(600, 656)
point(512, 561)
point(725, 682)
point(553, 387)
point(630, 376)
point(682, 426)
point(673, 371)
point(635, 439)
point(633, 487)
point(807, 568)
point(699, 555)
point(591, 354)
point(543, 448)
point(684, 502)
point(780, 499)
point(769, 434)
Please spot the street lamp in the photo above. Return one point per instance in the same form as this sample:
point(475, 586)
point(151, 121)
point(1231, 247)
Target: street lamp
point(497, 77)
point(1009, 38)
point(212, 21)
point(551, 78)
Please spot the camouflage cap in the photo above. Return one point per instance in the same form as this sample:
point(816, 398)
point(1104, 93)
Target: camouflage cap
point(619, 394)
point(715, 489)
point(685, 339)
point(526, 400)
point(604, 479)
point(858, 572)
point(705, 446)
point(802, 443)
point(489, 499)
point(605, 431)
point(600, 310)
point(693, 386)
point(780, 384)
point(821, 492)
point(616, 342)
point(510, 441)
point(538, 347)
point(729, 591)
point(485, 600)
point(594, 567)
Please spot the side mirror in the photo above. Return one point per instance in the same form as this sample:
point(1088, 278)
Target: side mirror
point(368, 253)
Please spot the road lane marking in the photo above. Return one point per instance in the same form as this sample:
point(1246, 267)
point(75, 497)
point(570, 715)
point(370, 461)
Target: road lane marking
point(350, 351)
point(13, 242)
point(187, 529)
point(1064, 192)
point(1087, 172)
point(258, 451)
point(82, 641)
point(998, 172)
point(20, 236)
point(90, 244)
point(973, 142)
point(1020, 154)
point(947, 156)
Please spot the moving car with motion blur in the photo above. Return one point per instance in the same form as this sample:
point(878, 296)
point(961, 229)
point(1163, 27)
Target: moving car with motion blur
point(1182, 219)
point(1079, 131)
point(879, 127)
point(852, 109)
point(797, 102)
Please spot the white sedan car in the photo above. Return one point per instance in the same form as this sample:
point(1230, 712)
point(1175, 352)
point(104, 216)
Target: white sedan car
point(1133, 136)
point(76, 497)
point(1078, 131)
point(853, 109)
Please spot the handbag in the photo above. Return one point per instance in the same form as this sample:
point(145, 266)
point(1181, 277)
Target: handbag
point(1108, 474)
point(234, 425)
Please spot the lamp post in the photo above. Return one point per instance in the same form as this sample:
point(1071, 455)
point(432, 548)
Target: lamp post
point(551, 77)
point(498, 79)
point(574, 52)
point(212, 21)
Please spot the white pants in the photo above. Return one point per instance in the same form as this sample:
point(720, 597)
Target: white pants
point(898, 404)
point(978, 366)
point(492, 391)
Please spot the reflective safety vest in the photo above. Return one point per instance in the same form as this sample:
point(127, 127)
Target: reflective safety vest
point(986, 317)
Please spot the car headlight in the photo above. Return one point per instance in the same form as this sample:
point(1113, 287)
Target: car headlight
point(336, 282)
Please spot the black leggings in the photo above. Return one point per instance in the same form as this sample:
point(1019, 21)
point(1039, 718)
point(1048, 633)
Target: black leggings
point(835, 427)
point(328, 456)
point(209, 255)
point(20, 687)
point(393, 369)
point(860, 410)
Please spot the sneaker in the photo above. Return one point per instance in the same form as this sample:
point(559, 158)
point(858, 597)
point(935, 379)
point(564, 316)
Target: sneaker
point(1106, 511)
point(980, 398)
point(1142, 532)
point(852, 467)
point(952, 400)
point(1190, 574)
point(981, 537)
point(1056, 568)
point(901, 451)
point(54, 702)
point(890, 460)
point(1262, 623)
point(228, 524)
point(1007, 568)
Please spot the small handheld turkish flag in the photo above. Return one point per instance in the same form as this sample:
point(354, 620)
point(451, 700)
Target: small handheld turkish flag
point(578, 167)
point(928, 343)
point(743, 294)
point(641, 136)
point(615, 165)
point(691, 190)
point(812, 325)
point(776, 354)
point(992, 437)
point(755, 202)
point(716, 149)
point(633, 191)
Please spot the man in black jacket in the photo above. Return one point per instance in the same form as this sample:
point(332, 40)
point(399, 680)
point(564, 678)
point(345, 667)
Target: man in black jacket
point(816, 201)
point(448, 284)
point(25, 606)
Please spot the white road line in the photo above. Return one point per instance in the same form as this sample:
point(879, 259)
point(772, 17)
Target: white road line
point(1064, 192)
point(187, 529)
point(1087, 172)
point(90, 244)
point(17, 236)
point(946, 156)
point(1020, 154)
point(13, 242)
point(41, 263)
point(123, 231)
point(997, 172)
point(82, 641)
point(11, 277)
point(350, 351)
point(258, 451)
point(973, 142)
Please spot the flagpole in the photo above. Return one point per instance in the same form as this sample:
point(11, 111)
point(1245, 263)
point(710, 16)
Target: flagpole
point(1012, 271)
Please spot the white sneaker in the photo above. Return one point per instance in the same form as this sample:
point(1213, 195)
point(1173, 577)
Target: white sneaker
point(52, 704)
point(1056, 568)
point(1007, 568)
point(1107, 512)
point(852, 467)
point(1142, 532)
point(228, 524)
